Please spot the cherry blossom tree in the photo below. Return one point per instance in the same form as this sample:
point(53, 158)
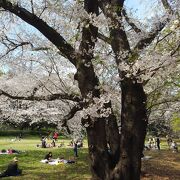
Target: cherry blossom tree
point(87, 34)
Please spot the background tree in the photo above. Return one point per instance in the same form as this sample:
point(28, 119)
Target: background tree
point(176, 124)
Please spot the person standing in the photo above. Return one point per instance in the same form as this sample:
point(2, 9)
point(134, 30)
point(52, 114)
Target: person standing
point(158, 143)
point(55, 136)
point(75, 149)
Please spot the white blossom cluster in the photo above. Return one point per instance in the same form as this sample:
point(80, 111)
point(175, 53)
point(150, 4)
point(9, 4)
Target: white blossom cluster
point(98, 108)
point(39, 64)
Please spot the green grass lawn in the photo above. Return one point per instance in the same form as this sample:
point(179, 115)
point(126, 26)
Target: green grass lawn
point(164, 164)
point(29, 161)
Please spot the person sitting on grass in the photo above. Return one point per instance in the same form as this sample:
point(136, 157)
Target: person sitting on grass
point(12, 169)
point(150, 143)
point(169, 141)
point(174, 146)
point(53, 143)
point(43, 142)
point(48, 156)
point(61, 145)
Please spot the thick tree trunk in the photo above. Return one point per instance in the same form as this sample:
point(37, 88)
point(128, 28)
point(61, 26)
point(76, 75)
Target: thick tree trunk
point(103, 159)
point(88, 84)
point(133, 131)
point(113, 139)
point(99, 130)
point(98, 151)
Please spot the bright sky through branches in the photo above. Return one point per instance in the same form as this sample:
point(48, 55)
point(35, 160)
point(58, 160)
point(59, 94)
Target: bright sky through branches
point(143, 8)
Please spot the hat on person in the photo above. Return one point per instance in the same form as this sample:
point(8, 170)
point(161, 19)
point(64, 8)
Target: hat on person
point(15, 159)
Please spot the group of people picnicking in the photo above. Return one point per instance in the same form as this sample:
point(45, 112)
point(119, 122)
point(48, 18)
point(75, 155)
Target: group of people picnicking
point(50, 160)
point(154, 143)
point(171, 144)
point(13, 170)
point(44, 139)
point(74, 143)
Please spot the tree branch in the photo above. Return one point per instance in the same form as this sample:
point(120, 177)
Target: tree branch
point(12, 44)
point(143, 43)
point(65, 48)
point(32, 6)
point(51, 97)
point(176, 49)
point(159, 40)
point(15, 46)
point(128, 20)
point(167, 7)
point(85, 73)
point(45, 7)
point(119, 40)
point(71, 114)
point(164, 102)
point(104, 38)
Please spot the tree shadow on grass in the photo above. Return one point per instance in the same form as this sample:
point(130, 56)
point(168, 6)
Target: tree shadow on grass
point(163, 165)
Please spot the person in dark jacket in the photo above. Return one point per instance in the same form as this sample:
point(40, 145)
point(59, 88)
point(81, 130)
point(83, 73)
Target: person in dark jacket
point(75, 149)
point(53, 144)
point(158, 143)
point(48, 156)
point(43, 142)
point(12, 169)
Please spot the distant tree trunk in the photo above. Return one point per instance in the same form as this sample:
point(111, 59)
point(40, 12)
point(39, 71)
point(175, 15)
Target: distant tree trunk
point(133, 131)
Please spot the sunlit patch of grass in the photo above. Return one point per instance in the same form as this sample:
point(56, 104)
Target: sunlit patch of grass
point(164, 164)
point(29, 161)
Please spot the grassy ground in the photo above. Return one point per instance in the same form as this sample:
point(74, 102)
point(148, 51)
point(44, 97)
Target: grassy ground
point(33, 169)
point(164, 164)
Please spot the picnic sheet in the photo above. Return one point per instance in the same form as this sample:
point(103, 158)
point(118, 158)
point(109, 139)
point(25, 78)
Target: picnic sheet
point(57, 161)
point(52, 161)
point(7, 153)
